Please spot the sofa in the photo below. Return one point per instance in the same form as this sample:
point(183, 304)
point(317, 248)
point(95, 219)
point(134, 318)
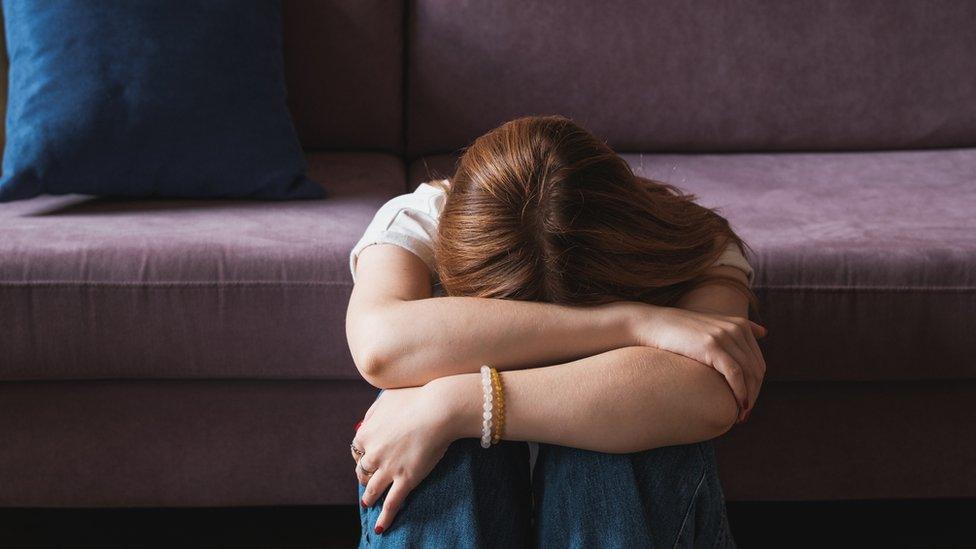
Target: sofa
point(193, 353)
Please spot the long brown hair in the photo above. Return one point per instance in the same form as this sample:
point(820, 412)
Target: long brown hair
point(541, 210)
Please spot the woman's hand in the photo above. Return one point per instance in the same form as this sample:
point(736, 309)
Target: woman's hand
point(726, 343)
point(403, 436)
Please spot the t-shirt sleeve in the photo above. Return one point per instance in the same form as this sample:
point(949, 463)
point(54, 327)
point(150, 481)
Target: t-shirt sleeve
point(733, 256)
point(409, 221)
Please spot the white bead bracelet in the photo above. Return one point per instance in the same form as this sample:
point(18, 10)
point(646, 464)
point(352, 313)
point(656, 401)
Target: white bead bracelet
point(489, 400)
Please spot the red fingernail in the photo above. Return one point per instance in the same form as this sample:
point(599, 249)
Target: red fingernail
point(363, 503)
point(378, 529)
point(358, 425)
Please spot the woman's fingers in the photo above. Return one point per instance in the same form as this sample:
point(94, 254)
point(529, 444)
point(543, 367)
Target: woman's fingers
point(756, 368)
point(394, 499)
point(364, 470)
point(742, 378)
point(746, 353)
point(757, 329)
point(356, 444)
point(376, 485)
point(759, 375)
point(760, 361)
point(729, 367)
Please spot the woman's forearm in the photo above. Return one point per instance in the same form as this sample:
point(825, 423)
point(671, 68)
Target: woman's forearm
point(624, 400)
point(410, 342)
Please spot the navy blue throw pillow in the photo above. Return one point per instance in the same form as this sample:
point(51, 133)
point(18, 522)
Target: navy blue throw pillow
point(149, 98)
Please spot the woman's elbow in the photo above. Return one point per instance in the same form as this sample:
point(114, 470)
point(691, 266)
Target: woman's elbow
point(713, 405)
point(370, 353)
point(377, 365)
point(722, 413)
point(370, 366)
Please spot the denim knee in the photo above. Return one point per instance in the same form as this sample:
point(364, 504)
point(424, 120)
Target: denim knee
point(652, 498)
point(474, 497)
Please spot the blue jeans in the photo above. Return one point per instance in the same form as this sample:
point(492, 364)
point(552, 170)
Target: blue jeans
point(477, 497)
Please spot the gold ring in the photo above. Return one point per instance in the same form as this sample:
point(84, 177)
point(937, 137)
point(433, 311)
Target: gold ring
point(359, 465)
point(357, 451)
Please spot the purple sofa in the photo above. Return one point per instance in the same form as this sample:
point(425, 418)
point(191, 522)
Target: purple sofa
point(193, 353)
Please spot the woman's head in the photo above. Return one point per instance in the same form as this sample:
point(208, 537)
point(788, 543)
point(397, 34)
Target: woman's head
point(541, 210)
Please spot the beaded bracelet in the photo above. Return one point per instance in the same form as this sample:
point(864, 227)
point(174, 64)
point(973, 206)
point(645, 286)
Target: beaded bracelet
point(493, 412)
point(499, 419)
point(488, 393)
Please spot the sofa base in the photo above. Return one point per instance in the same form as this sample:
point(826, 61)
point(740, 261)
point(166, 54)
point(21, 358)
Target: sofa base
point(254, 443)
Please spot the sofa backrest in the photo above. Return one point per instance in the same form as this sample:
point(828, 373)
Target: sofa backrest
point(711, 75)
point(344, 65)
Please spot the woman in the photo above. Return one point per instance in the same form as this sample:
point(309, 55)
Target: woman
point(614, 309)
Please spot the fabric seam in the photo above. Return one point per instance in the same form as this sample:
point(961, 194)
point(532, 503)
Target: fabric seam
point(691, 504)
point(313, 283)
point(179, 285)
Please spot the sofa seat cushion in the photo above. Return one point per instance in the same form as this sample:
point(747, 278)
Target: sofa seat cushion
point(865, 261)
point(98, 288)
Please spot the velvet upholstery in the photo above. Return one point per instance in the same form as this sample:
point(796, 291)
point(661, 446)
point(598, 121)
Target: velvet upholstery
point(170, 289)
point(712, 76)
point(174, 353)
point(156, 443)
point(344, 69)
point(147, 443)
point(877, 249)
point(835, 441)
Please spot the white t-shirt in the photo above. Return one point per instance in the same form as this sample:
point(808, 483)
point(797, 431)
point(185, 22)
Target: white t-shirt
point(410, 221)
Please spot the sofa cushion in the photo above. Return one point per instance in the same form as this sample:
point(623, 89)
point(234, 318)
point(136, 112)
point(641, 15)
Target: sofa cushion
point(865, 261)
point(144, 99)
point(98, 288)
point(703, 76)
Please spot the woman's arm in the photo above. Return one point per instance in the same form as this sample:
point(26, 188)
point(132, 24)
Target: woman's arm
point(624, 400)
point(400, 336)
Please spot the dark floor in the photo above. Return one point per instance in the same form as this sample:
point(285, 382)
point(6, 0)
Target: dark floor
point(943, 523)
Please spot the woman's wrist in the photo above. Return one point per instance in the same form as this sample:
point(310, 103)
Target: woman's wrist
point(459, 399)
point(635, 318)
